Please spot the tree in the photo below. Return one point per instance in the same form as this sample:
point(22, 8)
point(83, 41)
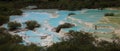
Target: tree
point(6, 38)
point(84, 41)
point(32, 24)
point(2, 29)
point(109, 14)
point(3, 19)
point(14, 25)
point(65, 25)
point(10, 42)
point(16, 12)
point(78, 41)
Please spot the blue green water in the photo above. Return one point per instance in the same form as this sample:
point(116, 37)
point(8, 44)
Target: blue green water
point(82, 19)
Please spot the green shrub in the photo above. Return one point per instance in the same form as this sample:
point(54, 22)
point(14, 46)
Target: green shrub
point(84, 41)
point(109, 14)
point(2, 29)
point(14, 25)
point(16, 12)
point(3, 19)
point(32, 24)
point(65, 25)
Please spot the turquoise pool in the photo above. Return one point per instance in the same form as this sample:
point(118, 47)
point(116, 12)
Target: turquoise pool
point(84, 20)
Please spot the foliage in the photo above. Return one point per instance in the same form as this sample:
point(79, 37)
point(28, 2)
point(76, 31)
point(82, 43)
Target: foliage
point(7, 9)
point(32, 24)
point(6, 38)
point(16, 12)
point(14, 25)
point(78, 41)
point(3, 19)
point(2, 29)
point(64, 4)
point(65, 25)
point(109, 14)
point(83, 41)
point(10, 42)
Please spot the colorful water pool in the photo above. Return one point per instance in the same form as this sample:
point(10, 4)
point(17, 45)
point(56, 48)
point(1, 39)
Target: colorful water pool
point(84, 20)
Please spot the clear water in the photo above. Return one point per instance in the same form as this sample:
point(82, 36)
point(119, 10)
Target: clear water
point(84, 20)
